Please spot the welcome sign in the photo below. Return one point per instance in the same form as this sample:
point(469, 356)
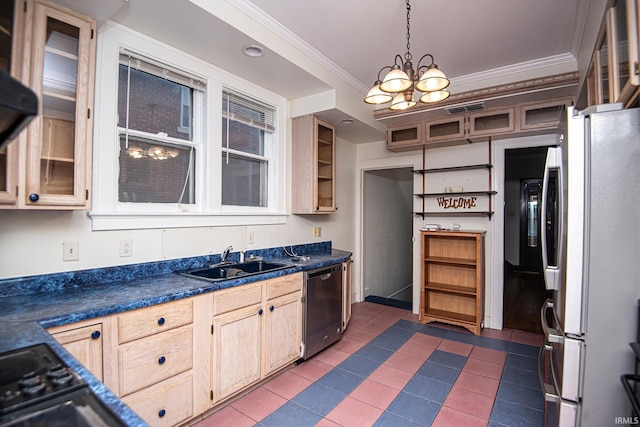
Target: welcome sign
point(457, 202)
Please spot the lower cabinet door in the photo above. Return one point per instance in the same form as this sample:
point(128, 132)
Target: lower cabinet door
point(237, 343)
point(85, 344)
point(167, 403)
point(283, 326)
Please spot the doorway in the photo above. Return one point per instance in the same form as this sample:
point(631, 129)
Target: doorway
point(524, 289)
point(387, 237)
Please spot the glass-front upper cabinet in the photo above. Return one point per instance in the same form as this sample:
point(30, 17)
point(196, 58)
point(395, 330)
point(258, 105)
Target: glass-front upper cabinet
point(59, 143)
point(624, 29)
point(11, 13)
point(599, 83)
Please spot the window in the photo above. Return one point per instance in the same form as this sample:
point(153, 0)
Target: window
point(247, 140)
point(182, 144)
point(158, 151)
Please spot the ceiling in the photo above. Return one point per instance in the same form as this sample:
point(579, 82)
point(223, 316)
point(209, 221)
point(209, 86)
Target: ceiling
point(476, 43)
point(464, 36)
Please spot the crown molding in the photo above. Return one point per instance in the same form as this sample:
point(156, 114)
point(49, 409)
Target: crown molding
point(290, 37)
point(522, 67)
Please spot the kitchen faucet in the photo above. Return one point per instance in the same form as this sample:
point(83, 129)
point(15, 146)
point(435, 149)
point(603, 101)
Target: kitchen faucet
point(225, 254)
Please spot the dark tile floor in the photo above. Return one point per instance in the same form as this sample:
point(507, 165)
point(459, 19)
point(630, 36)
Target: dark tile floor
point(389, 370)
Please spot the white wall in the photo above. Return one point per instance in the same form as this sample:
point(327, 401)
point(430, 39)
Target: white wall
point(387, 255)
point(31, 241)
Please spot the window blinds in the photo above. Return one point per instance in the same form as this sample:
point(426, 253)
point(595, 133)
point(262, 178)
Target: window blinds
point(151, 66)
point(249, 111)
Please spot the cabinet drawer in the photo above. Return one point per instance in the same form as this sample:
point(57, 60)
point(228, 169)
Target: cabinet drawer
point(152, 320)
point(165, 404)
point(284, 285)
point(151, 360)
point(235, 298)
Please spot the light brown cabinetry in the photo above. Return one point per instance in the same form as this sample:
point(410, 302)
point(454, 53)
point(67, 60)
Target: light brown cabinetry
point(313, 166)
point(283, 320)
point(452, 289)
point(256, 331)
point(84, 341)
point(405, 136)
point(237, 339)
point(154, 349)
point(491, 123)
point(614, 72)
point(520, 120)
point(346, 293)
point(11, 60)
point(173, 361)
point(537, 116)
point(445, 130)
point(59, 58)
point(474, 125)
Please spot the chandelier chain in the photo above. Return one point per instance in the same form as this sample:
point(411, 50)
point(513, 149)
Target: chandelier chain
point(407, 55)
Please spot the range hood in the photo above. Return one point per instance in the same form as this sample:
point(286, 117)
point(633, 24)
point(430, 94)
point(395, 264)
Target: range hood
point(18, 105)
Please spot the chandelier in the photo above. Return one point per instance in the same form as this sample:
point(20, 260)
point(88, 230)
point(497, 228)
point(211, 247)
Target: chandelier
point(156, 152)
point(400, 83)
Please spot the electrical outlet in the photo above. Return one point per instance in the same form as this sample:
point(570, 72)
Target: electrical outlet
point(126, 247)
point(317, 231)
point(70, 250)
point(251, 238)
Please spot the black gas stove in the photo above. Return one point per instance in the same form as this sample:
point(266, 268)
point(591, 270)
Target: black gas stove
point(38, 389)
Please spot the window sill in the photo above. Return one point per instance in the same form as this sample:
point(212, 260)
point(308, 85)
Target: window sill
point(101, 221)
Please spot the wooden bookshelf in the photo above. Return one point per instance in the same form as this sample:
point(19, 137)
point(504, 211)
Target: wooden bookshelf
point(452, 288)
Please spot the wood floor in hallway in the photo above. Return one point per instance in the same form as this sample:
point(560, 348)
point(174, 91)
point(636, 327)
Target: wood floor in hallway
point(524, 295)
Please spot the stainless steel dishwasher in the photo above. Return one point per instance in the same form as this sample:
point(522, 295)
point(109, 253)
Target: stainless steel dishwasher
point(322, 314)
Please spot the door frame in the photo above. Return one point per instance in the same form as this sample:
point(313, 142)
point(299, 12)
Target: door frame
point(410, 160)
point(495, 298)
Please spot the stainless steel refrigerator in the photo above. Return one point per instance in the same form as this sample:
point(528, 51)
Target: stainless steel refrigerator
point(591, 262)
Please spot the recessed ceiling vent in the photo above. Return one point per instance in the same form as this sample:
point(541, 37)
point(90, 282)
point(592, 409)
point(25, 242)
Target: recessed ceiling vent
point(465, 108)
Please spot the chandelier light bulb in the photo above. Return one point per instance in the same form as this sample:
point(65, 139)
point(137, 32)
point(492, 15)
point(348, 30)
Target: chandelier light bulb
point(376, 96)
point(433, 79)
point(396, 80)
point(436, 96)
point(402, 102)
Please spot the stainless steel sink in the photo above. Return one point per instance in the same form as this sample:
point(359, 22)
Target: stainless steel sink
point(220, 272)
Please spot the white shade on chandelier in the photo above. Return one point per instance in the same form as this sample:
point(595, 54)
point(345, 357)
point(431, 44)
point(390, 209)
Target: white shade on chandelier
point(400, 83)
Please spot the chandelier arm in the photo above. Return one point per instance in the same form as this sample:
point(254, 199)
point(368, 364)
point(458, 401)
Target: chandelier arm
point(382, 69)
point(419, 67)
point(395, 62)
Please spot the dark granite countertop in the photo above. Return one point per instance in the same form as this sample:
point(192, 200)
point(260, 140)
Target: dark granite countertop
point(29, 305)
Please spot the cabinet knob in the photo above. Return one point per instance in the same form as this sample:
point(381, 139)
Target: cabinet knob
point(260, 312)
point(95, 335)
point(162, 413)
point(162, 360)
point(34, 197)
point(271, 308)
point(161, 321)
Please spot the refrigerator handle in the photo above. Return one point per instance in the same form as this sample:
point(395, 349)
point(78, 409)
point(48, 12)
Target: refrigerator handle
point(551, 272)
point(548, 390)
point(551, 335)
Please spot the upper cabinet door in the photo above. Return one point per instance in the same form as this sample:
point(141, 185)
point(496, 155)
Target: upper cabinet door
point(313, 166)
point(624, 31)
point(60, 137)
point(11, 16)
